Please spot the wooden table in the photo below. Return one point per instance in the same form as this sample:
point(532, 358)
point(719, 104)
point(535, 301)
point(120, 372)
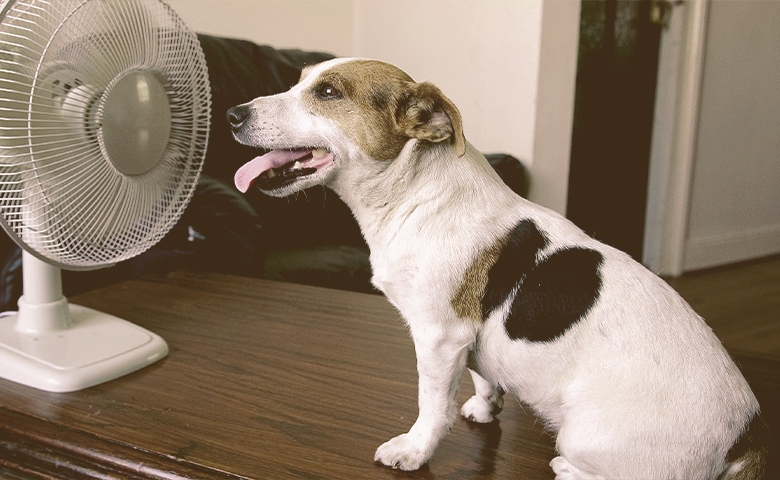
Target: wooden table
point(264, 380)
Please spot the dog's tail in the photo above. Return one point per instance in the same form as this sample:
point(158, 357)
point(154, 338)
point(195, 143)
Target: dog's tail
point(747, 457)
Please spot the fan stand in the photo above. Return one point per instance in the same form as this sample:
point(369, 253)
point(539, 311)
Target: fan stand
point(58, 347)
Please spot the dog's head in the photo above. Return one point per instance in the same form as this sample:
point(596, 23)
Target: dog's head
point(341, 110)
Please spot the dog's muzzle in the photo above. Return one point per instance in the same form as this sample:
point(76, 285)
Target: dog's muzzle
point(276, 168)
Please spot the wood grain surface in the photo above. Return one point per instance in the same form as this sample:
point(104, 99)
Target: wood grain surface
point(264, 380)
point(741, 303)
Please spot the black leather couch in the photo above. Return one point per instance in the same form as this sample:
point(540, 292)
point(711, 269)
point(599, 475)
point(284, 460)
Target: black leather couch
point(309, 238)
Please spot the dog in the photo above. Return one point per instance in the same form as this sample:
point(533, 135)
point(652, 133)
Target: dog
point(633, 381)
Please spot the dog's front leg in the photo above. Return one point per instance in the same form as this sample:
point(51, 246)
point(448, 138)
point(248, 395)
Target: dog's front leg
point(441, 359)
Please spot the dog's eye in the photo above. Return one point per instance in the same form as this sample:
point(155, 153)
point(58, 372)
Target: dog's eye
point(326, 91)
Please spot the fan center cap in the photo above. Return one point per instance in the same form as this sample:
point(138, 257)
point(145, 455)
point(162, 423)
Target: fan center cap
point(136, 124)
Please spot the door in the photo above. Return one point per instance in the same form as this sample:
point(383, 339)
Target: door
point(613, 119)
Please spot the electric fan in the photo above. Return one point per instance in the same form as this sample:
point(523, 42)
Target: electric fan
point(104, 119)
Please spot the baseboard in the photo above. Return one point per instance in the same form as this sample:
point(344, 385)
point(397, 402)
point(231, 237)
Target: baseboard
point(730, 248)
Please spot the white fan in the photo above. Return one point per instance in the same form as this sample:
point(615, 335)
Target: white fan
point(104, 119)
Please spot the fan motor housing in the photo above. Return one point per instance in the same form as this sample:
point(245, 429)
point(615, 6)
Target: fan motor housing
point(136, 122)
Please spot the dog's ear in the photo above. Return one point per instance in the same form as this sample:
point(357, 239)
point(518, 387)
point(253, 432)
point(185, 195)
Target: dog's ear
point(428, 115)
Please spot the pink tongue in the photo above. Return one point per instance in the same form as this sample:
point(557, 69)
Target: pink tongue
point(273, 159)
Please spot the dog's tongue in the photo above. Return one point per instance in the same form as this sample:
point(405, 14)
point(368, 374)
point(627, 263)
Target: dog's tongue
point(273, 159)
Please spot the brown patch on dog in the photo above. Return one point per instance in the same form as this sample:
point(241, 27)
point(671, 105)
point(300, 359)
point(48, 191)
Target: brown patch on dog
point(467, 300)
point(748, 454)
point(380, 107)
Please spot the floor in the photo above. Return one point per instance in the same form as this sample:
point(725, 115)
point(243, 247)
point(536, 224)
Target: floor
point(740, 302)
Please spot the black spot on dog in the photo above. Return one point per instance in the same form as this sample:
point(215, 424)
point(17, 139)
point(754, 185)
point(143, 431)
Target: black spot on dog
point(516, 260)
point(555, 294)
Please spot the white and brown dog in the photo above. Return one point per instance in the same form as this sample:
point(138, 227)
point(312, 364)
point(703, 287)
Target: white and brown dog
point(634, 382)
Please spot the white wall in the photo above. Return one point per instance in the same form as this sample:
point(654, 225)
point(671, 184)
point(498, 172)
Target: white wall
point(735, 202)
point(484, 55)
point(560, 34)
point(322, 25)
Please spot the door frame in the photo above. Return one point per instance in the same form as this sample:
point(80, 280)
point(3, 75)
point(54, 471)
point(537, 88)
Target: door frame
point(673, 147)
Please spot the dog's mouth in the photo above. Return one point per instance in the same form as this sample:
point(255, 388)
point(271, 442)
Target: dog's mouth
point(279, 168)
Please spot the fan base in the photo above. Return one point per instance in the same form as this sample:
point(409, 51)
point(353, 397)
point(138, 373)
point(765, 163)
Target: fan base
point(95, 348)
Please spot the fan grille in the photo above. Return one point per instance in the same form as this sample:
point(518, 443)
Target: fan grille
point(64, 194)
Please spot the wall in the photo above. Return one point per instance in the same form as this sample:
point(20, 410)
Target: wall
point(323, 25)
point(484, 54)
point(735, 202)
point(560, 36)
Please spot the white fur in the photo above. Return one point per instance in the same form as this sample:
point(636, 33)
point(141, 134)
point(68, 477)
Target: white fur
point(638, 388)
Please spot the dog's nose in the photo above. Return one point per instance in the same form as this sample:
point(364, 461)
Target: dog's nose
point(236, 116)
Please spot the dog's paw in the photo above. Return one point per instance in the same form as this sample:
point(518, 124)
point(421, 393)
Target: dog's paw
point(402, 453)
point(480, 410)
point(566, 471)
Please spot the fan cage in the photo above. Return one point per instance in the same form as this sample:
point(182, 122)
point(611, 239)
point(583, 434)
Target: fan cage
point(62, 196)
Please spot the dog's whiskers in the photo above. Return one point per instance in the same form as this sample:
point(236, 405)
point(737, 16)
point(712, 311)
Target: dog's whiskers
point(324, 197)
